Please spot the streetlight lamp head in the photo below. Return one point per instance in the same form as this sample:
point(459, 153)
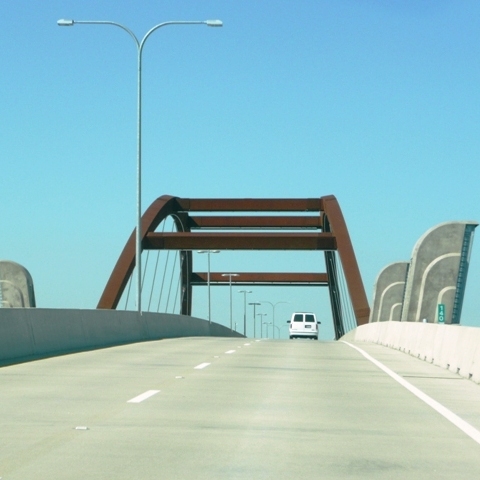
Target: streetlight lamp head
point(214, 23)
point(65, 23)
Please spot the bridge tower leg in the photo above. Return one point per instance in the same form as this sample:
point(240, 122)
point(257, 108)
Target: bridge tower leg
point(333, 288)
point(186, 284)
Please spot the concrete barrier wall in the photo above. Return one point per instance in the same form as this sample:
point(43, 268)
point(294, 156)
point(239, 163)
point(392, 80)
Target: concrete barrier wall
point(30, 333)
point(453, 347)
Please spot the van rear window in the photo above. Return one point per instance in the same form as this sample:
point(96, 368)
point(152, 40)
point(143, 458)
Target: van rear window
point(298, 318)
point(309, 318)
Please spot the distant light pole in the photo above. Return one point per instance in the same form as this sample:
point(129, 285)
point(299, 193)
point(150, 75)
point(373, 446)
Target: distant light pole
point(254, 319)
point(245, 310)
point(208, 252)
point(230, 275)
point(261, 315)
point(139, 44)
point(273, 316)
point(267, 324)
point(278, 330)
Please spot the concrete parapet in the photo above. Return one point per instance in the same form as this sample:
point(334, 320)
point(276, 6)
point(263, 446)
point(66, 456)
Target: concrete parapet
point(16, 286)
point(27, 334)
point(388, 292)
point(438, 273)
point(452, 347)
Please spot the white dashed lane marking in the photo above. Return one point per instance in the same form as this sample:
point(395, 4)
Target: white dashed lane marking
point(143, 396)
point(202, 365)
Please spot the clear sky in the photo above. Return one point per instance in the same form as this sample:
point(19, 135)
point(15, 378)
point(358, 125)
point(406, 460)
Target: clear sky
point(375, 101)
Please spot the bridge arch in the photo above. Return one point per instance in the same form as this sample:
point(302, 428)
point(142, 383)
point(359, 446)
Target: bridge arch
point(248, 224)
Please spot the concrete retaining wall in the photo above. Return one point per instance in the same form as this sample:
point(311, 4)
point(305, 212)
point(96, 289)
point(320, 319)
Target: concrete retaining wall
point(452, 347)
point(30, 333)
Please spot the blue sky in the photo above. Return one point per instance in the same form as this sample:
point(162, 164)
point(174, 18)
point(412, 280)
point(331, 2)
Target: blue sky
point(375, 101)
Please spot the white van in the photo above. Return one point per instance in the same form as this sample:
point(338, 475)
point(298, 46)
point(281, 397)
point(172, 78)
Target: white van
point(303, 324)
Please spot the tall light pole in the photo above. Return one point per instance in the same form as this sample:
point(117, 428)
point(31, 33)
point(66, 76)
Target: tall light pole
point(230, 275)
point(261, 315)
point(273, 316)
point(245, 310)
point(254, 319)
point(139, 44)
point(208, 252)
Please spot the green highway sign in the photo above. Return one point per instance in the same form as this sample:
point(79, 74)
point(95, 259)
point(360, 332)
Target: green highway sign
point(441, 313)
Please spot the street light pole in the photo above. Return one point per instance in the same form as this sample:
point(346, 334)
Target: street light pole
point(208, 252)
point(278, 330)
point(230, 275)
point(273, 317)
point(254, 319)
point(245, 310)
point(267, 324)
point(139, 44)
point(261, 315)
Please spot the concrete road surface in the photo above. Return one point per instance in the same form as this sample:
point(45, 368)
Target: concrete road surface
point(204, 408)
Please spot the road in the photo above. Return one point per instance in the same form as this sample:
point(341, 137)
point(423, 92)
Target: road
point(210, 408)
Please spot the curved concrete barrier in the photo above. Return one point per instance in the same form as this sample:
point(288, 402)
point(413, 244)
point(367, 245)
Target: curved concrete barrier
point(30, 333)
point(453, 347)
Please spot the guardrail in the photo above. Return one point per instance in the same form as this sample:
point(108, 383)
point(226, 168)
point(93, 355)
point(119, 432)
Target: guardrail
point(453, 347)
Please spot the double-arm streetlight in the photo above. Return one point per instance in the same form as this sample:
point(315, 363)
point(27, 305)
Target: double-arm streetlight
point(230, 275)
point(245, 310)
point(208, 252)
point(273, 316)
point(139, 44)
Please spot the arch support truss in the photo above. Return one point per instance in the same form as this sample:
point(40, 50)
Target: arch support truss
point(246, 224)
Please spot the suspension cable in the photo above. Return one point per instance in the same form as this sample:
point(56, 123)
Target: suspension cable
point(179, 253)
point(145, 269)
point(171, 282)
point(128, 291)
point(179, 286)
point(348, 309)
point(155, 273)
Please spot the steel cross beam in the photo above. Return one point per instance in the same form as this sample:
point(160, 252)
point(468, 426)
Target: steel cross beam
point(249, 204)
point(270, 279)
point(261, 222)
point(239, 241)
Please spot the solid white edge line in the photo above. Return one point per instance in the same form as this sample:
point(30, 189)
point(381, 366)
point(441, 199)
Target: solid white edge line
point(143, 396)
point(465, 427)
point(202, 365)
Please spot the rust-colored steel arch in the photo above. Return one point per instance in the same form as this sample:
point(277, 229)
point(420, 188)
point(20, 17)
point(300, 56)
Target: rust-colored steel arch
point(304, 224)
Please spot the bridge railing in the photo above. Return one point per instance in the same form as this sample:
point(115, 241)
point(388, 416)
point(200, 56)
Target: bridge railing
point(453, 347)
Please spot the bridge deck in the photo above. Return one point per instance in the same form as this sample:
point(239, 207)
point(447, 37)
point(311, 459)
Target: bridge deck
point(270, 409)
